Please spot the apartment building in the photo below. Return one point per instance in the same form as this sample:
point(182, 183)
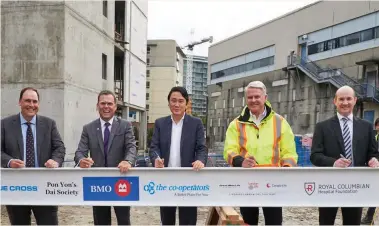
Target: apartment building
point(199, 84)
point(164, 71)
point(70, 51)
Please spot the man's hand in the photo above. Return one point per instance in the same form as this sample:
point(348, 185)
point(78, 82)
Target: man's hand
point(124, 166)
point(342, 162)
point(86, 163)
point(249, 162)
point(51, 164)
point(197, 165)
point(16, 163)
point(374, 163)
point(159, 163)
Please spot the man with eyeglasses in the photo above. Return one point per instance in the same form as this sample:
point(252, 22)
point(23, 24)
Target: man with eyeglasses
point(107, 142)
point(178, 141)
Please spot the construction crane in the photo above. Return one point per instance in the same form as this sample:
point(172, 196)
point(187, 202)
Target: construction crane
point(189, 47)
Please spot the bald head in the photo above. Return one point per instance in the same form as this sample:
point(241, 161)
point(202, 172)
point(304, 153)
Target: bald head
point(345, 100)
point(345, 90)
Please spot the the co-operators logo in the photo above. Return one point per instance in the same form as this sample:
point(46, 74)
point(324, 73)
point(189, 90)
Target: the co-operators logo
point(150, 187)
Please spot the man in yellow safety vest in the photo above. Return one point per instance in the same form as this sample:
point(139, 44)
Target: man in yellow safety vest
point(260, 137)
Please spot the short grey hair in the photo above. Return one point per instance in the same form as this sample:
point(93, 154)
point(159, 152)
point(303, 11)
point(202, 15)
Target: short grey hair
point(256, 85)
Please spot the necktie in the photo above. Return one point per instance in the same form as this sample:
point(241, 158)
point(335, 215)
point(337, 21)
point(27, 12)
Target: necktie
point(346, 138)
point(30, 157)
point(106, 140)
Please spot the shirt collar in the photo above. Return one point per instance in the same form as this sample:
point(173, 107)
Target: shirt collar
point(103, 122)
point(262, 115)
point(172, 119)
point(350, 117)
point(23, 121)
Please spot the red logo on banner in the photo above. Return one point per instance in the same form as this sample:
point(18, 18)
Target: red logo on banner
point(310, 187)
point(122, 188)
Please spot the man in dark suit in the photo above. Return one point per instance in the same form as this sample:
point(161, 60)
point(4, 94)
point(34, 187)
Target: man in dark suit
point(31, 140)
point(178, 141)
point(110, 143)
point(343, 141)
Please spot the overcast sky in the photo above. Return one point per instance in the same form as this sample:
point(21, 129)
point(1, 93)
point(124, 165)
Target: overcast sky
point(174, 19)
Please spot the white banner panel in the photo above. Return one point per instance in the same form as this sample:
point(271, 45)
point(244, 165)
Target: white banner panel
point(184, 187)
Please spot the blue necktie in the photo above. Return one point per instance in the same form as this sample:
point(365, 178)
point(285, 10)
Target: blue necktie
point(106, 140)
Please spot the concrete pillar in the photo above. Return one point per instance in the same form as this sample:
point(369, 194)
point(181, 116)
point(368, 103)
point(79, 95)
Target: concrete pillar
point(142, 130)
point(125, 113)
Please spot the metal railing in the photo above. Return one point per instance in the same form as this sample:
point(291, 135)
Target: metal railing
point(333, 76)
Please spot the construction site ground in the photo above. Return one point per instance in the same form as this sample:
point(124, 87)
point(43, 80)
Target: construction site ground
point(82, 215)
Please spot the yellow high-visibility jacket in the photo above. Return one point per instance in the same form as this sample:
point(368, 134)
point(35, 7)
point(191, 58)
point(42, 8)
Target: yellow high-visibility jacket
point(271, 143)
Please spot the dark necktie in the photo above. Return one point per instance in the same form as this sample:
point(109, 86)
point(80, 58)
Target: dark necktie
point(30, 157)
point(106, 140)
point(347, 138)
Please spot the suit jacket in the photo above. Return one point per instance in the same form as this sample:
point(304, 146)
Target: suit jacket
point(49, 142)
point(121, 145)
point(192, 144)
point(327, 144)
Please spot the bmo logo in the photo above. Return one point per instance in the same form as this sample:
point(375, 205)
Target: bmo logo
point(122, 188)
point(110, 188)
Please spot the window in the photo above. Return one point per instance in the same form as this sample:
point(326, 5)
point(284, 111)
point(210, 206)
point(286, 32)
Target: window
point(215, 104)
point(346, 40)
point(233, 102)
point(147, 118)
point(352, 39)
point(147, 73)
point(367, 35)
point(279, 96)
point(147, 96)
point(224, 103)
point(147, 107)
point(148, 61)
point(243, 101)
point(147, 84)
point(219, 121)
point(148, 50)
point(244, 67)
point(104, 66)
point(210, 123)
point(294, 95)
point(105, 8)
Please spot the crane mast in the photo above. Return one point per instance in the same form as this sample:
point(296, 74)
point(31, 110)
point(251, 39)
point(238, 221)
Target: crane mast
point(189, 71)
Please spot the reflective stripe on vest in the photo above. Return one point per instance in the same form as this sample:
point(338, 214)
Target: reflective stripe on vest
point(275, 149)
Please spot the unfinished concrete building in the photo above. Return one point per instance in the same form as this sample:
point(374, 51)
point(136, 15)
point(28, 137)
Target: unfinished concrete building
point(302, 57)
point(71, 50)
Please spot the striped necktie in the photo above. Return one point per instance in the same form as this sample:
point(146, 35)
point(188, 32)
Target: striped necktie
point(347, 138)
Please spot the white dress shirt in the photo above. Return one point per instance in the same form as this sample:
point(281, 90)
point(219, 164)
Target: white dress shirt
point(102, 122)
point(176, 135)
point(258, 120)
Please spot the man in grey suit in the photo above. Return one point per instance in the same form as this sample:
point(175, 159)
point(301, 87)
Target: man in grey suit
point(31, 140)
point(178, 141)
point(110, 143)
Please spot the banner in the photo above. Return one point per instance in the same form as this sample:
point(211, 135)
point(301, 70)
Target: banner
point(184, 187)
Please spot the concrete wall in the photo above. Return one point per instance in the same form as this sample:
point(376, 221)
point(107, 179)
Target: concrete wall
point(32, 50)
point(135, 68)
point(85, 42)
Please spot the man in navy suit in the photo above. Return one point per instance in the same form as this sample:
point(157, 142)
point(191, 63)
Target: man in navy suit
point(178, 141)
